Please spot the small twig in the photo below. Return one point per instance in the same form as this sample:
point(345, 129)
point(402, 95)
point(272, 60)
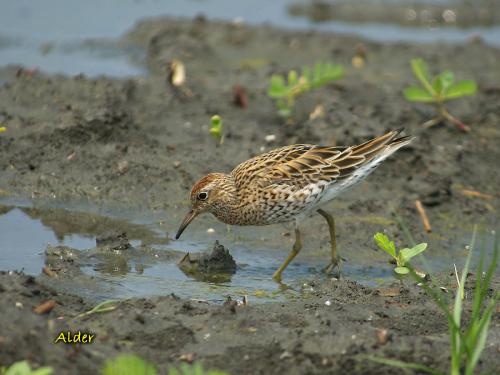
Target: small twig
point(45, 307)
point(476, 194)
point(423, 216)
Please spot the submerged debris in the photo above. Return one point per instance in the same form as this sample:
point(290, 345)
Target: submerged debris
point(113, 241)
point(217, 264)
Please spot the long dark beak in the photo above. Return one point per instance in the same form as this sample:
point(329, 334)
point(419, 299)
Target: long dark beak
point(185, 222)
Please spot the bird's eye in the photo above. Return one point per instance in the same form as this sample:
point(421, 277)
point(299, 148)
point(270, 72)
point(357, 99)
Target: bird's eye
point(202, 196)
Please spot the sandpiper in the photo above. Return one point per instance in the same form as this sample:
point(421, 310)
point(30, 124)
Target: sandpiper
point(289, 184)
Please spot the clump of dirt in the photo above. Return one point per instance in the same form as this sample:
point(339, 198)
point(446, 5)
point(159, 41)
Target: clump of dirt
point(215, 264)
point(114, 241)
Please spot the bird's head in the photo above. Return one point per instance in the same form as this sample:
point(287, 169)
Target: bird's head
point(207, 195)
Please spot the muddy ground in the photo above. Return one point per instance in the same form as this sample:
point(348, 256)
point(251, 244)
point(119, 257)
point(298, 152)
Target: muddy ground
point(140, 144)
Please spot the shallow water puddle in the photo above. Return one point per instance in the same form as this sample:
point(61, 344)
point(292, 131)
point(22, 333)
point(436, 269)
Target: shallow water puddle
point(23, 240)
point(150, 266)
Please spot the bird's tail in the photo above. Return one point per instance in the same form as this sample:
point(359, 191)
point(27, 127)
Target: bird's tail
point(383, 146)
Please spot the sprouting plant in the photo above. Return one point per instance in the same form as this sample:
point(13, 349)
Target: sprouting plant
point(106, 306)
point(467, 341)
point(402, 256)
point(216, 128)
point(195, 369)
point(285, 92)
point(438, 90)
point(128, 364)
point(23, 368)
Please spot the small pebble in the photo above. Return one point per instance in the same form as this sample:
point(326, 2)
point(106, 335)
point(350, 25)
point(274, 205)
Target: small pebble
point(328, 303)
point(382, 336)
point(270, 138)
point(122, 166)
point(210, 230)
point(285, 355)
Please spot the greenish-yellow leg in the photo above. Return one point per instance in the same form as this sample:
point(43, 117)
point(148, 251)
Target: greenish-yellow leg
point(334, 263)
point(295, 250)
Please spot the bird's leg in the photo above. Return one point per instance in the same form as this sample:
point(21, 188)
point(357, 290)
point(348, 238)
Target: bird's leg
point(335, 262)
point(295, 250)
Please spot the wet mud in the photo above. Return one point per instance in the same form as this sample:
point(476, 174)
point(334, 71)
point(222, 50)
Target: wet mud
point(140, 144)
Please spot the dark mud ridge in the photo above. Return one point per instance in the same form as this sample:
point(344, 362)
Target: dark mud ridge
point(140, 143)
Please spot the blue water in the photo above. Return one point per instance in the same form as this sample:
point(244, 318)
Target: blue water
point(72, 37)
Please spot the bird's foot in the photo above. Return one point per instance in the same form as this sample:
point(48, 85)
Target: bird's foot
point(333, 268)
point(277, 277)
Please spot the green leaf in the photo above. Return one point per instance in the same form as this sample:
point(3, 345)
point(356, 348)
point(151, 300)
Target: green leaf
point(293, 78)
point(407, 254)
point(307, 74)
point(401, 270)
point(482, 334)
point(216, 127)
point(419, 68)
point(128, 364)
point(447, 79)
point(277, 86)
point(317, 72)
point(384, 244)
point(416, 94)
point(461, 88)
point(23, 368)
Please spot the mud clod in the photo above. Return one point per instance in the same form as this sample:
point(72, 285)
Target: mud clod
point(218, 261)
point(113, 241)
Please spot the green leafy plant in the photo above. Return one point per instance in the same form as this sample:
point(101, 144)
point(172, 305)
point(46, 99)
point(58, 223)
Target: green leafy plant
point(438, 90)
point(23, 368)
point(195, 369)
point(402, 256)
point(216, 128)
point(131, 364)
point(467, 341)
point(128, 364)
point(285, 91)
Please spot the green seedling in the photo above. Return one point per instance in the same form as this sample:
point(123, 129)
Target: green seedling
point(402, 256)
point(23, 368)
point(216, 128)
point(467, 341)
point(437, 91)
point(195, 369)
point(285, 91)
point(103, 307)
point(128, 364)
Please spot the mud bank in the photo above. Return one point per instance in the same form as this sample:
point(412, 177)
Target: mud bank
point(327, 331)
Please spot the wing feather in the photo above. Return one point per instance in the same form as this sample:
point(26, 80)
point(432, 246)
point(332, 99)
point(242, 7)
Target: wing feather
point(299, 165)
